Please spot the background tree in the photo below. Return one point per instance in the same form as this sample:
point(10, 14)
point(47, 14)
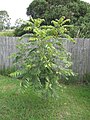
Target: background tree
point(20, 26)
point(76, 10)
point(4, 20)
point(19, 22)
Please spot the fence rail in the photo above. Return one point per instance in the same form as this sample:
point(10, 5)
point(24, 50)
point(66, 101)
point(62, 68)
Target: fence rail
point(80, 53)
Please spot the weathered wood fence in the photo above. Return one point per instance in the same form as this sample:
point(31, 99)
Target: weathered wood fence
point(7, 47)
point(80, 53)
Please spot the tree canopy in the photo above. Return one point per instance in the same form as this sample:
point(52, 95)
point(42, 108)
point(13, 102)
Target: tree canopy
point(75, 10)
point(4, 20)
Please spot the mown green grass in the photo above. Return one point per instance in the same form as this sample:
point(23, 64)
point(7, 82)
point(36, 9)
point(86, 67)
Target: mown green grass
point(73, 103)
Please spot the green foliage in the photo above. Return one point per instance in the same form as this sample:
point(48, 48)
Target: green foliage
point(20, 29)
point(86, 78)
point(4, 20)
point(9, 33)
point(42, 6)
point(7, 71)
point(43, 60)
point(75, 10)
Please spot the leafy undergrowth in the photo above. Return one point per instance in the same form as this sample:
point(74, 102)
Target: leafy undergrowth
point(73, 103)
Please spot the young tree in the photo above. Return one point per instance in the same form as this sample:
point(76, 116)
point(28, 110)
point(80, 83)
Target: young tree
point(43, 60)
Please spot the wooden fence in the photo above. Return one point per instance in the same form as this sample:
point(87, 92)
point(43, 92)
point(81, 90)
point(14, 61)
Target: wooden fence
point(7, 47)
point(80, 53)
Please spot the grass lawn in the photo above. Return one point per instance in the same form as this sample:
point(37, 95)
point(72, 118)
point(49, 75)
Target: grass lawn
point(73, 103)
